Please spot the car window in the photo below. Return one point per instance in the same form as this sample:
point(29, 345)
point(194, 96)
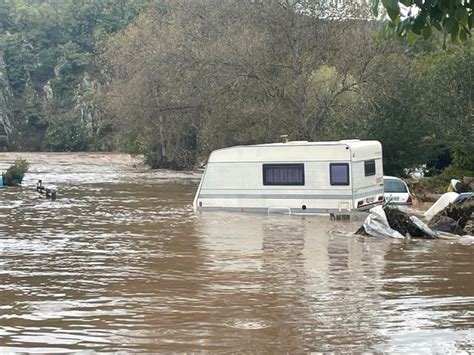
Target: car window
point(394, 186)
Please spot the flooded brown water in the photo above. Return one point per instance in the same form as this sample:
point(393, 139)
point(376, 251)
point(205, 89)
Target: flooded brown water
point(121, 263)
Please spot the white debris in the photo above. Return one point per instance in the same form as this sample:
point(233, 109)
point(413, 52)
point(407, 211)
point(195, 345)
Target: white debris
point(376, 224)
point(440, 204)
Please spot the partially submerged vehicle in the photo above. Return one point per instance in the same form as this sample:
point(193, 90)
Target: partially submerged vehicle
point(293, 177)
point(396, 191)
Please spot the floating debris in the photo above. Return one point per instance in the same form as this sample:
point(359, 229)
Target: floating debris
point(48, 192)
point(455, 218)
point(387, 221)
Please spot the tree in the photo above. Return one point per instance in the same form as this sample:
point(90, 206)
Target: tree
point(152, 93)
point(449, 115)
point(391, 114)
point(222, 75)
point(412, 18)
point(49, 48)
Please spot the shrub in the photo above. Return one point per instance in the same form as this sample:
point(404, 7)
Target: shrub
point(15, 173)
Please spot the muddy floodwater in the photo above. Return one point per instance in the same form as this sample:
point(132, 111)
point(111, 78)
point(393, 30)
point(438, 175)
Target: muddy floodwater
point(121, 263)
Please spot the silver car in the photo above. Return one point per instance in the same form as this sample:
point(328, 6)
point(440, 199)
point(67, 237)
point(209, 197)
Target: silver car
point(396, 190)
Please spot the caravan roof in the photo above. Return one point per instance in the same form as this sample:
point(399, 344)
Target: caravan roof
point(353, 149)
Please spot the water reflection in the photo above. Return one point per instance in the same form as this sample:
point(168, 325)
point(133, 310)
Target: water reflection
point(302, 288)
point(435, 311)
point(121, 263)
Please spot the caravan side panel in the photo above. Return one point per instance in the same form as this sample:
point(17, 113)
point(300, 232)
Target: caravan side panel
point(239, 186)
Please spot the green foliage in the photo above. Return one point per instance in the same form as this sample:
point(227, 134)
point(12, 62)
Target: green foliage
point(53, 43)
point(445, 98)
point(463, 161)
point(419, 103)
point(15, 173)
point(66, 134)
point(391, 114)
point(417, 19)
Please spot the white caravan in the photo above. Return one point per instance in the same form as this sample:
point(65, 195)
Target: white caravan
point(293, 177)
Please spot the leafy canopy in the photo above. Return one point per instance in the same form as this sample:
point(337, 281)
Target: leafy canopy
point(417, 18)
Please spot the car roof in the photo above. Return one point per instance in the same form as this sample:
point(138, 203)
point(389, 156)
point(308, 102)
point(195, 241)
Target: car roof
point(386, 177)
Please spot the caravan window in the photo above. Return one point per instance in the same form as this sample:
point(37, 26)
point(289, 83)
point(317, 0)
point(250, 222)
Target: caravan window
point(369, 167)
point(283, 174)
point(339, 173)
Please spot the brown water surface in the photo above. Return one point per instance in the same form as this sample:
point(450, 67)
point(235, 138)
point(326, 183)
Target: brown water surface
point(121, 263)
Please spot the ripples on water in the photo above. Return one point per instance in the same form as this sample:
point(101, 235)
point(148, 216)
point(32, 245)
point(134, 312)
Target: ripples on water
point(121, 263)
